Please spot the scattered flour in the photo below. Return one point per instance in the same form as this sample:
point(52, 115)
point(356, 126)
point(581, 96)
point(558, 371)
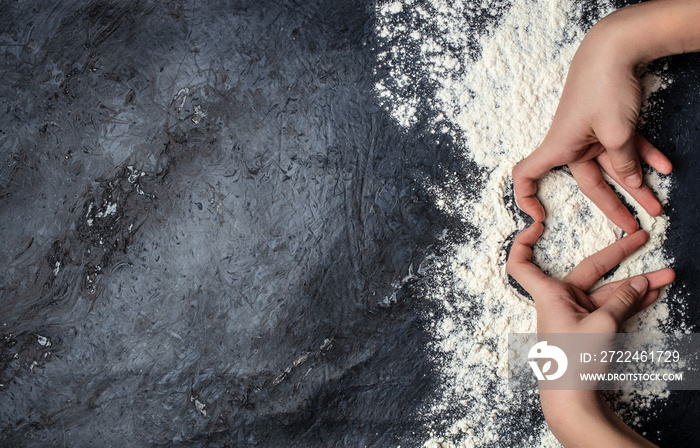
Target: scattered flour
point(651, 83)
point(489, 75)
point(563, 244)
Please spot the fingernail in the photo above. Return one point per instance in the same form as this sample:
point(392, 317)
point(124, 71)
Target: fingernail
point(635, 180)
point(639, 284)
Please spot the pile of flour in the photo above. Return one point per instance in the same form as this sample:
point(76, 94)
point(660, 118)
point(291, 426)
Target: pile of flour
point(489, 75)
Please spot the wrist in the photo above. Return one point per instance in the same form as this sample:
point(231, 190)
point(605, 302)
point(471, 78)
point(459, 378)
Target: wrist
point(581, 418)
point(562, 407)
point(638, 34)
point(615, 40)
point(573, 416)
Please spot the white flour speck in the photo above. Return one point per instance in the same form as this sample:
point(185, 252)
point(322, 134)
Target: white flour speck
point(43, 340)
point(109, 210)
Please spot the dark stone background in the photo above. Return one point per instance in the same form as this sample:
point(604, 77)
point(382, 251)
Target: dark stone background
point(674, 127)
point(248, 260)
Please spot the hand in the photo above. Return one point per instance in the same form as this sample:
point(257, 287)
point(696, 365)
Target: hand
point(593, 130)
point(581, 418)
point(567, 306)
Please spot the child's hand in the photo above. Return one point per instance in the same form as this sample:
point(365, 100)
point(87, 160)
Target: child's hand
point(580, 418)
point(594, 129)
point(568, 306)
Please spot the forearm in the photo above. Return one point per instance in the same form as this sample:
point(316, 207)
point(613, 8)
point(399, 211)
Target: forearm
point(580, 418)
point(651, 30)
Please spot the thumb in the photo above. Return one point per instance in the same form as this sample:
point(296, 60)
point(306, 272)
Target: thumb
point(623, 157)
point(624, 299)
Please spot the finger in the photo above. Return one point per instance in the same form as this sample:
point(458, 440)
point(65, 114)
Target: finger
point(643, 195)
point(592, 268)
point(525, 175)
point(652, 156)
point(619, 143)
point(624, 300)
point(593, 185)
point(520, 265)
point(656, 279)
point(660, 278)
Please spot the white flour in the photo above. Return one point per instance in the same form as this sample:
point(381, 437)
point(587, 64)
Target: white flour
point(490, 76)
